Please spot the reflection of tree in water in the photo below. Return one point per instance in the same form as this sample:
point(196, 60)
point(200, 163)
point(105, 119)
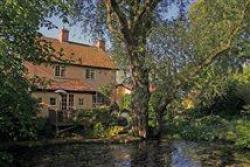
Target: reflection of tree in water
point(217, 157)
point(209, 155)
point(144, 154)
point(152, 154)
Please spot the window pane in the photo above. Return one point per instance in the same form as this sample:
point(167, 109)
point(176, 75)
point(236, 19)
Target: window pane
point(62, 71)
point(64, 102)
point(94, 98)
point(92, 74)
point(87, 73)
point(57, 71)
point(52, 101)
point(71, 100)
point(80, 101)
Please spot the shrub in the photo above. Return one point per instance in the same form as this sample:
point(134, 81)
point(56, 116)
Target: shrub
point(126, 102)
point(6, 159)
point(43, 128)
point(96, 121)
point(98, 130)
point(243, 134)
point(113, 131)
point(207, 128)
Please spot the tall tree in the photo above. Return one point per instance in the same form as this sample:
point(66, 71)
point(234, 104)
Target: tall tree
point(130, 22)
point(217, 29)
point(19, 42)
point(212, 32)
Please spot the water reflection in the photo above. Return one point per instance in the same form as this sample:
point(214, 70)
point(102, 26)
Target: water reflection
point(144, 154)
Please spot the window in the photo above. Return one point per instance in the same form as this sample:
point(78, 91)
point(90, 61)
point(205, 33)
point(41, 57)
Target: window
point(81, 101)
point(99, 99)
point(90, 73)
point(52, 101)
point(39, 100)
point(59, 71)
point(71, 101)
point(64, 102)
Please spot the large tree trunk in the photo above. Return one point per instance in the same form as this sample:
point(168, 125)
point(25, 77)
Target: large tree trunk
point(160, 122)
point(160, 113)
point(140, 96)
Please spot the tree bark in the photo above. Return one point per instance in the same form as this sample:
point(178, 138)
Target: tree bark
point(140, 95)
point(160, 113)
point(133, 29)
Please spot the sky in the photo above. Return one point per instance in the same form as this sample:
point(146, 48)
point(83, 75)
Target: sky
point(76, 35)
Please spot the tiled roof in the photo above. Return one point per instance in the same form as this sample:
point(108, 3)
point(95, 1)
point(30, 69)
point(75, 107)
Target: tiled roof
point(81, 54)
point(39, 70)
point(74, 53)
point(45, 80)
point(69, 85)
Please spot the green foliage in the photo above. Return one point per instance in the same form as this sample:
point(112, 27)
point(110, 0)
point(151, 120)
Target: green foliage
point(113, 131)
point(99, 122)
point(218, 24)
point(243, 134)
point(98, 130)
point(207, 128)
point(223, 116)
point(43, 128)
point(246, 110)
point(96, 121)
point(126, 102)
point(220, 127)
point(20, 42)
point(106, 90)
point(242, 82)
point(6, 159)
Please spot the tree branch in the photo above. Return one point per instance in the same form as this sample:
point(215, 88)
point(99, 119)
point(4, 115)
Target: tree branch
point(148, 7)
point(214, 54)
point(109, 21)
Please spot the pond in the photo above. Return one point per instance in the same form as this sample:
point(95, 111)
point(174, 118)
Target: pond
point(143, 154)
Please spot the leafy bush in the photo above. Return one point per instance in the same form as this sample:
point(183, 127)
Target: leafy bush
point(5, 159)
point(211, 128)
point(91, 117)
point(43, 128)
point(17, 111)
point(243, 134)
point(98, 130)
point(207, 128)
point(113, 131)
point(126, 102)
point(98, 122)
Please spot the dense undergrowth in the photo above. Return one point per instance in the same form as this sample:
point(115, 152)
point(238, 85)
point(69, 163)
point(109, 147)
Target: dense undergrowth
point(233, 129)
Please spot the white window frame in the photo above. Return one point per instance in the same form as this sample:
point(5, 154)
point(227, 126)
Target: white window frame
point(91, 75)
point(62, 71)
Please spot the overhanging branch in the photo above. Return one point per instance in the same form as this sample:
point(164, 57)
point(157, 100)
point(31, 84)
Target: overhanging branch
point(214, 54)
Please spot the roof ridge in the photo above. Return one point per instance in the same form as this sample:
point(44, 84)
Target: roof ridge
point(69, 42)
point(81, 54)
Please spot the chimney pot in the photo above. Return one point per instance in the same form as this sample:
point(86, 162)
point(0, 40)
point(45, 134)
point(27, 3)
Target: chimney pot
point(100, 44)
point(64, 35)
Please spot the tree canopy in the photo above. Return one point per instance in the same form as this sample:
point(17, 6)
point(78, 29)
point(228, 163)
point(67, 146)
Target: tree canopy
point(20, 41)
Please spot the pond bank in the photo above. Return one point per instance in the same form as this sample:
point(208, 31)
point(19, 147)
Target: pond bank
point(74, 140)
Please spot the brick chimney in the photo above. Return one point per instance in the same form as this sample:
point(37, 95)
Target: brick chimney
point(100, 44)
point(64, 35)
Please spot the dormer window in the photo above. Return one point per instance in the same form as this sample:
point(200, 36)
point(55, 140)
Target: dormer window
point(59, 71)
point(90, 73)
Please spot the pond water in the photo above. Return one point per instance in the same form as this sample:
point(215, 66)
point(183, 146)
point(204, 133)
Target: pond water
point(144, 154)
